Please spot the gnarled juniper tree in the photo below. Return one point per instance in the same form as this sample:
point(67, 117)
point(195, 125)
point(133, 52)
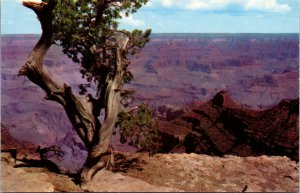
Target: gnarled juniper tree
point(87, 31)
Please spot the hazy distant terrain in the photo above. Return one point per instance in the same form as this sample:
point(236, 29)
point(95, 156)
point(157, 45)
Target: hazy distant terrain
point(258, 70)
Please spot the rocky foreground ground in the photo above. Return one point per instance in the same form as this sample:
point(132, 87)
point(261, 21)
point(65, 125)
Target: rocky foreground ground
point(162, 173)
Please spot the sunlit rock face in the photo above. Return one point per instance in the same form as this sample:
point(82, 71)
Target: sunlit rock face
point(258, 71)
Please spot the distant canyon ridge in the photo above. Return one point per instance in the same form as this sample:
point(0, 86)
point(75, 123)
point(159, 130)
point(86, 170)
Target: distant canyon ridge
point(173, 70)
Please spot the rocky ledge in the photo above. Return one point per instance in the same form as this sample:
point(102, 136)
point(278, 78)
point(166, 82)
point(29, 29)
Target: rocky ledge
point(138, 172)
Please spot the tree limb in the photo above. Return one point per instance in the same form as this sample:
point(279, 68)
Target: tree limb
point(33, 68)
point(101, 7)
point(78, 109)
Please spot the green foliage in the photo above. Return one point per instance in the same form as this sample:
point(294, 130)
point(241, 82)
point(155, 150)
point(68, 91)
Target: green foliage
point(139, 129)
point(87, 29)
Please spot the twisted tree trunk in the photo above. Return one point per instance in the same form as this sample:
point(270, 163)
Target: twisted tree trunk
point(101, 155)
point(96, 137)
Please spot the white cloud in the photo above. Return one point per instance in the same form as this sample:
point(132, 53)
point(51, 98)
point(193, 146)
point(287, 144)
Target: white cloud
point(271, 5)
point(148, 4)
point(264, 5)
point(207, 4)
point(131, 21)
point(167, 2)
point(195, 4)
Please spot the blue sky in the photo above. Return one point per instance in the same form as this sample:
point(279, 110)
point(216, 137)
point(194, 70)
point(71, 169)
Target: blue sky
point(183, 16)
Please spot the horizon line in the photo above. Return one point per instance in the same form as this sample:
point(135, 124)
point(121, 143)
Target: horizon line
point(181, 33)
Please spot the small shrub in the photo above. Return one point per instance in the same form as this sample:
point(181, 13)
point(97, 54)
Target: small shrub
point(138, 128)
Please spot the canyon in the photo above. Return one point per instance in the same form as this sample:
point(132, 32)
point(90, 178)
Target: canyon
point(176, 74)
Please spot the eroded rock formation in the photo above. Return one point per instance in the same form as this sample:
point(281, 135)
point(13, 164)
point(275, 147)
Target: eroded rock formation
point(221, 126)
